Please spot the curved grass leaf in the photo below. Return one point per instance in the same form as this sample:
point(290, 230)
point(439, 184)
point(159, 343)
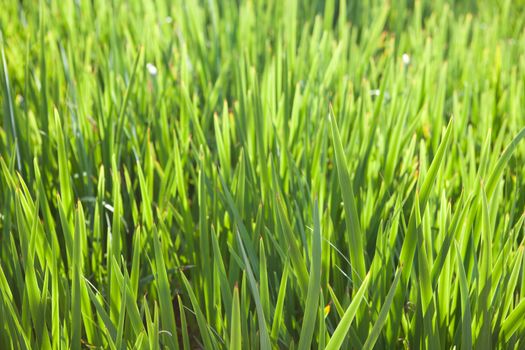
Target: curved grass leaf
point(352, 220)
point(346, 321)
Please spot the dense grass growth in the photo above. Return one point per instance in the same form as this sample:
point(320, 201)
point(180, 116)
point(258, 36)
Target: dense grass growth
point(262, 174)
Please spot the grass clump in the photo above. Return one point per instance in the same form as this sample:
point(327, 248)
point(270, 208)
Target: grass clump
point(262, 174)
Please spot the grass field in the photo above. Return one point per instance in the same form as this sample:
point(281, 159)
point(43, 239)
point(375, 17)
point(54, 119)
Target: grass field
point(262, 174)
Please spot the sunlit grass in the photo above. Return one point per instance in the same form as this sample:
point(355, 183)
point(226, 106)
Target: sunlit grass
point(262, 174)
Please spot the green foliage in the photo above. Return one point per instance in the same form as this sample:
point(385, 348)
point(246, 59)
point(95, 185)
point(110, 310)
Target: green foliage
point(262, 174)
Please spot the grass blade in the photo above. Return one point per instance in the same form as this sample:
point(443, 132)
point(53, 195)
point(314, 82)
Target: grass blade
point(383, 314)
point(346, 321)
point(264, 336)
point(352, 220)
point(236, 336)
point(314, 285)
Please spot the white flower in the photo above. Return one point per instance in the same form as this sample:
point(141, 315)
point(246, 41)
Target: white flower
point(406, 59)
point(377, 92)
point(152, 69)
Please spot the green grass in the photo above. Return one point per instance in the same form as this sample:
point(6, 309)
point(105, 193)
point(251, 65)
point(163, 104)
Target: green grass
point(262, 174)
